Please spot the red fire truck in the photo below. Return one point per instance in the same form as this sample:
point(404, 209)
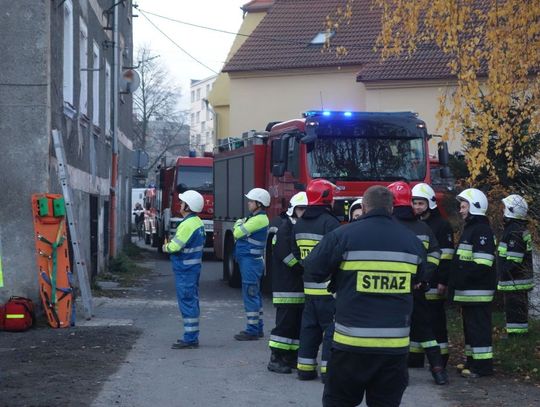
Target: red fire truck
point(187, 173)
point(354, 150)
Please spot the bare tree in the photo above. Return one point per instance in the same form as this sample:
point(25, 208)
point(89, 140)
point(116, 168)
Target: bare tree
point(160, 127)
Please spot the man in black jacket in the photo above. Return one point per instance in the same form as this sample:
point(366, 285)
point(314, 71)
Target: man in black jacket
point(375, 262)
point(422, 336)
point(287, 291)
point(514, 265)
point(473, 281)
point(425, 208)
point(319, 308)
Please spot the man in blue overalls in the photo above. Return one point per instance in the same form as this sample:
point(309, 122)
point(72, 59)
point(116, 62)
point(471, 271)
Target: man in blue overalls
point(250, 235)
point(186, 249)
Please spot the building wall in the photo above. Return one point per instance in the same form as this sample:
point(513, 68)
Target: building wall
point(201, 116)
point(257, 100)
point(32, 105)
point(219, 96)
point(421, 97)
point(24, 136)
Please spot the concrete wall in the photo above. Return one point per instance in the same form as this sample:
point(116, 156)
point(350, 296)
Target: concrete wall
point(24, 135)
point(260, 98)
point(31, 105)
point(421, 97)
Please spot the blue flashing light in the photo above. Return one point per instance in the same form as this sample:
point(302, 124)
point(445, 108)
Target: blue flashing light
point(326, 113)
point(347, 114)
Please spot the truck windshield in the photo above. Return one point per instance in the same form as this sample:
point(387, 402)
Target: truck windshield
point(197, 178)
point(367, 159)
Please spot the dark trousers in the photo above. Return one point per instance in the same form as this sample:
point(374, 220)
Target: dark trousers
point(438, 324)
point(423, 340)
point(477, 330)
point(286, 334)
point(383, 379)
point(317, 326)
point(516, 307)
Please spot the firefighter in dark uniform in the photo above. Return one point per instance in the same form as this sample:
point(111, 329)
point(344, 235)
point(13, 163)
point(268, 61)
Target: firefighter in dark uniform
point(318, 315)
point(425, 207)
point(514, 265)
point(287, 291)
point(473, 281)
point(374, 279)
point(423, 340)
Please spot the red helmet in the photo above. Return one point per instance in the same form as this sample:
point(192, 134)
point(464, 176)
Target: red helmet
point(320, 192)
point(402, 193)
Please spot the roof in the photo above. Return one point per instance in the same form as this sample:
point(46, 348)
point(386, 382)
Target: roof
point(282, 41)
point(257, 5)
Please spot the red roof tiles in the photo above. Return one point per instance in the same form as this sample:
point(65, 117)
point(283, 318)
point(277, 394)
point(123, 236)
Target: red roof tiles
point(282, 41)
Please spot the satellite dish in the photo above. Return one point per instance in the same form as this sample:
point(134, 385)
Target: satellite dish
point(129, 81)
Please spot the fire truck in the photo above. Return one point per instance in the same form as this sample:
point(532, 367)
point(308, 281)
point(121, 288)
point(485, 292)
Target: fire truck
point(354, 150)
point(186, 173)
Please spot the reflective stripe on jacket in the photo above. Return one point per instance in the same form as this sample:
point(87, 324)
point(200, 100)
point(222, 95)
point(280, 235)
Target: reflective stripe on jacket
point(250, 235)
point(287, 283)
point(186, 247)
point(514, 258)
point(473, 277)
point(373, 278)
point(308, 231)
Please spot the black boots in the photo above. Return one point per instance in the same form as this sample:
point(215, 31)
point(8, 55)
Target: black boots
point(278, 362)
point(439, 375)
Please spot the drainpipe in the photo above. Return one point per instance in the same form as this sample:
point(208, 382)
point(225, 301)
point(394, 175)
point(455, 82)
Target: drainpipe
point(114, 161)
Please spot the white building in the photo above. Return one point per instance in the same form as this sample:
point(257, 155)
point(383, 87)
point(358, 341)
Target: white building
point(202, 116)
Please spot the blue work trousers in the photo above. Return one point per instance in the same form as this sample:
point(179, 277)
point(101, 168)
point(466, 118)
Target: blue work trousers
point(187, 293)
point(251, 270)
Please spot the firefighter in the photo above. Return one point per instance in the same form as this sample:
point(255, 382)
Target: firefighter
point(514, 265)
point(423, 340)
point(425, 207)
point(355, 210)
point(473, 281)
point(374, 279)
point(287, 291)
point(186, 249)
point(319, 307)
point(250, 234)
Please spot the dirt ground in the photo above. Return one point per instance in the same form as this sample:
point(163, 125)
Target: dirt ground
point(49, 367)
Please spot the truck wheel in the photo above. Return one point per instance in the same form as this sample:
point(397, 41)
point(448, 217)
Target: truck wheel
point(231, 271)
point(267, 277)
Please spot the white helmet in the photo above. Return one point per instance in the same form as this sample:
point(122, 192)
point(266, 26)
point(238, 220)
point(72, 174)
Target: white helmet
point(424, 191)
point(478, 202)
point(355, 205)
point(259, 195)
point(515, 207)
point(193, 199)
point(299, 199)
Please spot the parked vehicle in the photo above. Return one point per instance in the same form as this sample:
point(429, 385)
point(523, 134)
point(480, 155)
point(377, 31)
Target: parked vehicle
point(186, 173)
point(354, 150)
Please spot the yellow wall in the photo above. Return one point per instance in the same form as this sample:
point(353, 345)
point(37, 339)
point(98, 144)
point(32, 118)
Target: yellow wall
point(421, 97)
point(219, 95)
point(257, 100)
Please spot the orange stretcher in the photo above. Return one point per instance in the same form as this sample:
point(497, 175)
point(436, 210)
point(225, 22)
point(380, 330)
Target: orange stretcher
point(54, 271)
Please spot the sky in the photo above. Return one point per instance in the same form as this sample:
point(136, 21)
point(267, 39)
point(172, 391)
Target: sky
point(209, 47)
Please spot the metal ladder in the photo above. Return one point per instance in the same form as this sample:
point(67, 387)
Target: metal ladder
point(80, 265)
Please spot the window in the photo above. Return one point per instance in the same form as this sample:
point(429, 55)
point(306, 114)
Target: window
point(192, 96)
point(208, 117)
point(107, 98)
point(198, 94)
point(203, 126)
point(322, 37)
point(95, 85)
point(207, 89)
point(198, 117)
point(83, 67)
point(68, 52)
point(192, 118)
